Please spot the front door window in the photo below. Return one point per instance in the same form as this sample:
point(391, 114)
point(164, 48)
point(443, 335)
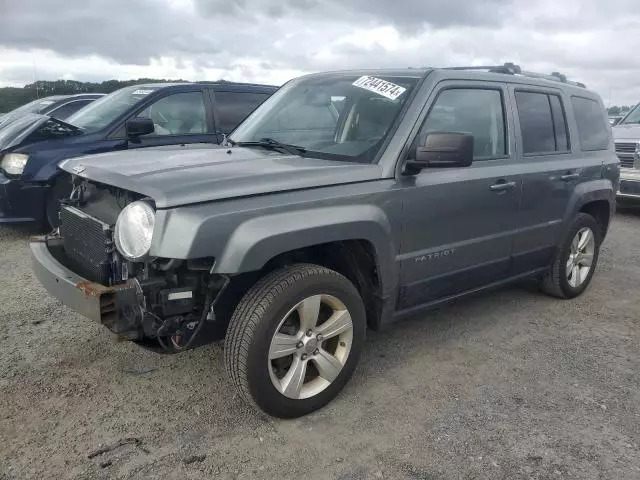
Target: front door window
point(178, 114)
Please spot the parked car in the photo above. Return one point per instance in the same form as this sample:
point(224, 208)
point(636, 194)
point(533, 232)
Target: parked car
point(57, 106)
point(627, 145)
point(130, 118)
point(307, 227)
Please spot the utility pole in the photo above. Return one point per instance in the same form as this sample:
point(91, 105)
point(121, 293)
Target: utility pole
point(35, 78)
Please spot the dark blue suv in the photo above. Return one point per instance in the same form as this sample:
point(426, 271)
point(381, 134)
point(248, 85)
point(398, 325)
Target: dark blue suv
point(133, 117)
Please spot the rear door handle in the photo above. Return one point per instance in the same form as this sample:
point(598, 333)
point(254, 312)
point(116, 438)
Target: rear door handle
point(502, 186)
point(569, 176)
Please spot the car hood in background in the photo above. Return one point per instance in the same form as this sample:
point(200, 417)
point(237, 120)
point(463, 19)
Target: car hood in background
point(23, 129)
point(629, 131)
point(175, 176)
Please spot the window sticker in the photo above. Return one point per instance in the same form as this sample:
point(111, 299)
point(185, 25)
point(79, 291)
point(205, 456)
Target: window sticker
point(379, 86)
point(141, 92)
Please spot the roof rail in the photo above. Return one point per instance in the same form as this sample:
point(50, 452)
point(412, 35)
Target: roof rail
point(508, 68)
point(513, 69)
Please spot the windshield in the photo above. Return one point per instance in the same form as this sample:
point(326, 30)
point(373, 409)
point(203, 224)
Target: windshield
point(341, 117)
point(633, 116)
point(37, 106)
point(105, 110)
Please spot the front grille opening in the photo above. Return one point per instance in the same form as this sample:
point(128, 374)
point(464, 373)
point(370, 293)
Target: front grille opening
point(626, 153)
point(626, 147)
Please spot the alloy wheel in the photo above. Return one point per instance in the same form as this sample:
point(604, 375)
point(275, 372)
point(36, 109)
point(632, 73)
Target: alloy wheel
point(310, 347)
point(580, 257)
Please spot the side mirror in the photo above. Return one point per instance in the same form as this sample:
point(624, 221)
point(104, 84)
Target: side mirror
point(442, 150)
point(139, 126)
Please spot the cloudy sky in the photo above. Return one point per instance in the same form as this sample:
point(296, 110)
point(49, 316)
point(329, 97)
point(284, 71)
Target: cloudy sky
point(270, 41)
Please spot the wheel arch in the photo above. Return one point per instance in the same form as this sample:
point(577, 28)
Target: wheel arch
point(601, 211)
point(597, 198)
point(356, 241)
point(355, 259)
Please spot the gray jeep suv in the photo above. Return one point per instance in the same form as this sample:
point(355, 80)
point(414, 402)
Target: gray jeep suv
point(348, 200)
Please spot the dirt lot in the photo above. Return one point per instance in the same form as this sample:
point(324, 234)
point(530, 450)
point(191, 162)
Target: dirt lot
point(505, 386)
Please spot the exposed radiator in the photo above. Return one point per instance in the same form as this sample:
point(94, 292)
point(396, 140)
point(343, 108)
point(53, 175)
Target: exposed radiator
point(88, 244)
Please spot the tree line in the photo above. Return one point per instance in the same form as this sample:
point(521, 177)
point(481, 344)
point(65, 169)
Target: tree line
point(13, 97)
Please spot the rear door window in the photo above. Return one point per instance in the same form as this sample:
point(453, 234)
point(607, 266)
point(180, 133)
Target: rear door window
point(559, 123)
point(542, 123)
point(592, 126)
point(234, 107)
point(536, 122)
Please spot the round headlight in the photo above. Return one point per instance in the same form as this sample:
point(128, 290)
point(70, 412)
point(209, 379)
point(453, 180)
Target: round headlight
point(134, 229)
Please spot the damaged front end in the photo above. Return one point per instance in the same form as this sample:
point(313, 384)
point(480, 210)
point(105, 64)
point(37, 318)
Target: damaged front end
point(169, 303)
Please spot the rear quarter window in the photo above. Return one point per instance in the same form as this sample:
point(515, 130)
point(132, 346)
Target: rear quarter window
point(593, 130)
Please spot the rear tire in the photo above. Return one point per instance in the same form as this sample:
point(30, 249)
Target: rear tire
point(569, 276)
point(294, 340)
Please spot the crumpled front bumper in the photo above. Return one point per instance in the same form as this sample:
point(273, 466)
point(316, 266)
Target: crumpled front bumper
point(110, 306)
point(629, 188)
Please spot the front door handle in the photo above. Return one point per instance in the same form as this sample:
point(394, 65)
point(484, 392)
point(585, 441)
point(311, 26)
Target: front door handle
point(569, 176)
point(501, 186)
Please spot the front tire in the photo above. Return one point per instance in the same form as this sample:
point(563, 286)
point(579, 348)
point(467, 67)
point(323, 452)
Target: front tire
point(294, 340)
point(60, 189)
point(576, 261)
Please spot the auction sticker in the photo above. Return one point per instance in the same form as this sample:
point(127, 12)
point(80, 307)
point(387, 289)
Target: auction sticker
point(379, 86)
point(141, 92)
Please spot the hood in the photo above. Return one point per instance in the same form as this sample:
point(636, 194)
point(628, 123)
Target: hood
point(175, 176)
point(33, 127)
point(630, 131)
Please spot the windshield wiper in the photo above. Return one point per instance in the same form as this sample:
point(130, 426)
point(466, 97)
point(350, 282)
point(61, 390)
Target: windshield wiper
point(273, 144)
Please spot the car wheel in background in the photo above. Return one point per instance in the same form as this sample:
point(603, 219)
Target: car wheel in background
point(59, 190)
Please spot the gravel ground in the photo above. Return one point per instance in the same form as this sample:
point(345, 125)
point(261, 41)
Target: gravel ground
point(510, 385)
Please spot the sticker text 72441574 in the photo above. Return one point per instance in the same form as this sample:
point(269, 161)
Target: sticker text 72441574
point(379, 86)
